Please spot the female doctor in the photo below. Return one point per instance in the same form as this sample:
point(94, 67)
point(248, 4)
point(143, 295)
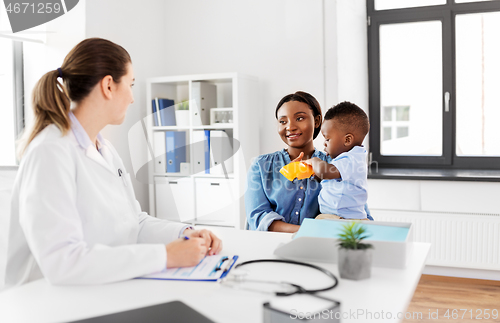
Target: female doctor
point(75, 219)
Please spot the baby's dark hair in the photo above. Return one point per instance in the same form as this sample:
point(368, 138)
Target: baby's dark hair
point(351, 116)
point(306, 98)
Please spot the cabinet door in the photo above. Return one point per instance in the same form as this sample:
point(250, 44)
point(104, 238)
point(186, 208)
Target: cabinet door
point(216, 201)
point(174, 198)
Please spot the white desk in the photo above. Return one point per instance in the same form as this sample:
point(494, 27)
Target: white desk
point(388, 290)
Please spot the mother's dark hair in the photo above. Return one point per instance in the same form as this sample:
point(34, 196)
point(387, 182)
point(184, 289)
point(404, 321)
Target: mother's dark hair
point(308, 99)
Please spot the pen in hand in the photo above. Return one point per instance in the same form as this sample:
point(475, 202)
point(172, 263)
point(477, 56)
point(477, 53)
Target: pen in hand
point(185, 237)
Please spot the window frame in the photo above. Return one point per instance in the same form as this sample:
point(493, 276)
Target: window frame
point(17, 95)
point(446, 14)
point(18, 88)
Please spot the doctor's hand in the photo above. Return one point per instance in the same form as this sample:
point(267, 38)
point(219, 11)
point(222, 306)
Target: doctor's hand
point(214, 244)
point(186, 253)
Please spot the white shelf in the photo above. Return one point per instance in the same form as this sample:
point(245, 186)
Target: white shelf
point(212, 223)
point(172, 128)
point(213, 176)
point(171, 174)
point(209, 199)
point(230, 176)
point(221, 126)
point(182, 79)
point(215, 126)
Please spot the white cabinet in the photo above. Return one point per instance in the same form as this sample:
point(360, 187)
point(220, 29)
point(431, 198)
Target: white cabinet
point(174, 198)
point(208, 185)
point(216, 201)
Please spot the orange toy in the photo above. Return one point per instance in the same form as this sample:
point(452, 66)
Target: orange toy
point(297, 170)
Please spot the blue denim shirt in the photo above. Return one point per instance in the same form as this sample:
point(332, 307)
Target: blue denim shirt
point(270, 196)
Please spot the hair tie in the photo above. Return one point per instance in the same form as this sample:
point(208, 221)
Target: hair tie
point(60, 72)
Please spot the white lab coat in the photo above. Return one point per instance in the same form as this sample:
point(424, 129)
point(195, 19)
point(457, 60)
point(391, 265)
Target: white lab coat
point(74, 220)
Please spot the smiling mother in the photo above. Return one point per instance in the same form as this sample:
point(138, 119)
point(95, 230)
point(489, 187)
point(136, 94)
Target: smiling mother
point(272, 202)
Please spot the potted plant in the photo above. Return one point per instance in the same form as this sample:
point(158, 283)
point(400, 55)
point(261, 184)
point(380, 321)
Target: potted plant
point(355, 257)
point(182, 114)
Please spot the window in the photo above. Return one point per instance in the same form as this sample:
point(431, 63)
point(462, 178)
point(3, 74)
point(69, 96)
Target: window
point(395, 125)
point(11, 99)
point(433, 82)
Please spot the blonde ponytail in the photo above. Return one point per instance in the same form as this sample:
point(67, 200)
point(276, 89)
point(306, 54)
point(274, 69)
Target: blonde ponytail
point(51, 105)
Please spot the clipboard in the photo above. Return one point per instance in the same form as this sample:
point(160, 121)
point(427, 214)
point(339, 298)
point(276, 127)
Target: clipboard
point(210, 268)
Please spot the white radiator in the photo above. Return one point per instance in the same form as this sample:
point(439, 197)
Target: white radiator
point(458, 240)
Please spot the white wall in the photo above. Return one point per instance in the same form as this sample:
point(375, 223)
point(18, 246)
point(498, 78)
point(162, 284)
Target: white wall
point(138, 26)
point(284, 43)
point(280, 42)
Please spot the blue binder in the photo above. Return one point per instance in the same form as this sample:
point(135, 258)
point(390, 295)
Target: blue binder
point(175, 145)
point(207, 151)
point(167, 112)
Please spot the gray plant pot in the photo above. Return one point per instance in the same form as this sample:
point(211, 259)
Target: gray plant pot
point(355, 264)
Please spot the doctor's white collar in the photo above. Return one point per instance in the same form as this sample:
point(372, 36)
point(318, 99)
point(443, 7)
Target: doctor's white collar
point(81, 135)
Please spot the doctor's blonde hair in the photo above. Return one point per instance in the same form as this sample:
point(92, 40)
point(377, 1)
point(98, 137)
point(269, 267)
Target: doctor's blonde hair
point(84, 66)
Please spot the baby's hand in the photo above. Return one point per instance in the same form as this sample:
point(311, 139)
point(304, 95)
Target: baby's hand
point(316, 164)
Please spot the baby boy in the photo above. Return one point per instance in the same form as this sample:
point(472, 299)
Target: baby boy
point(343, 194)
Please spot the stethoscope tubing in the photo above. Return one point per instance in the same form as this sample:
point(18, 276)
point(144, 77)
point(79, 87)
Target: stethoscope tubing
point(298, 289)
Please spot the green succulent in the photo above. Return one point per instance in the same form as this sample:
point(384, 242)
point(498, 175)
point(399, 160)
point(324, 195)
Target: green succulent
point(352, 235)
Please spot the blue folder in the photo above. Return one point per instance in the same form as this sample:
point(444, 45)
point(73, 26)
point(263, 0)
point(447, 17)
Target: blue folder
point(207, 151)
point(175, 145)
point(167, 112)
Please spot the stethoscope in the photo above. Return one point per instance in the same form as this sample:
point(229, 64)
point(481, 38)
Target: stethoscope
point(293, 288)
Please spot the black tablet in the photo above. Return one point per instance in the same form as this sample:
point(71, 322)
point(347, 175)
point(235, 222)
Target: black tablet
point(175, 312)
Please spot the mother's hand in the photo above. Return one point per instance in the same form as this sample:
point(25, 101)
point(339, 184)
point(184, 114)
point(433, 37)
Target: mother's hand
point(298, 159)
